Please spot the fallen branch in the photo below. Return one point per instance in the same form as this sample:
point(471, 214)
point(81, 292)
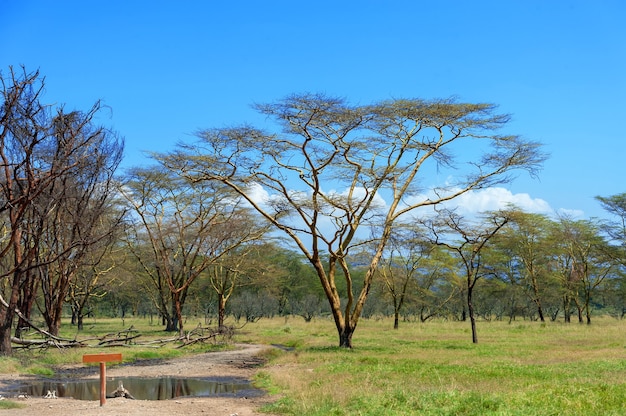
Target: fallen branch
point(44, 343)
point(126, 338)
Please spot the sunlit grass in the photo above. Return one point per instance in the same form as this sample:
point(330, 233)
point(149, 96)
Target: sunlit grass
point(434, 369)
point(523, 368)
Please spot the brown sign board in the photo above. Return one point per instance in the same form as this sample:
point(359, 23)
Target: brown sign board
point(101, 358)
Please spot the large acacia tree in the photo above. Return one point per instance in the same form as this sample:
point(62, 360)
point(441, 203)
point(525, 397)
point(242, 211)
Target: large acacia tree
point(338, 176)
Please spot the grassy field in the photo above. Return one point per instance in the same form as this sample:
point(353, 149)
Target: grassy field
point(523, 368)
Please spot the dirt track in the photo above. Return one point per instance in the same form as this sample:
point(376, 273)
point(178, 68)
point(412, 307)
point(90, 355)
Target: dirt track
point(240, 363)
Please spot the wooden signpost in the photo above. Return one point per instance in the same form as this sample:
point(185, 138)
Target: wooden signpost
point(102, 358)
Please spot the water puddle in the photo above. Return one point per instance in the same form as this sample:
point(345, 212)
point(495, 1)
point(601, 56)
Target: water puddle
point(163, 388)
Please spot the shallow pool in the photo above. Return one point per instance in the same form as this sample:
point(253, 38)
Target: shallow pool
point(144, 388)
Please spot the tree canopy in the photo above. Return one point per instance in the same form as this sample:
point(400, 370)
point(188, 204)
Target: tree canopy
point(334, 176)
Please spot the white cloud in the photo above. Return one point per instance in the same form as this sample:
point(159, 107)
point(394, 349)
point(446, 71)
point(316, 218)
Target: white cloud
point(469, 203)
point(257, 193)
point(571, 213)
point(496, 198)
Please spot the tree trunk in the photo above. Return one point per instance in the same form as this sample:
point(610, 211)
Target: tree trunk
point(170, 324)
point(345, 336)
point(221, 310)
point(537, 298)
point(396, 316)
point(79, 321)
point(579, 309)
point(470, 309)
point(178, 313)
point(7, 314)
point(25, 303)
point(540, 311)
point(52, 316)
point(6, 323)
point(55, 326)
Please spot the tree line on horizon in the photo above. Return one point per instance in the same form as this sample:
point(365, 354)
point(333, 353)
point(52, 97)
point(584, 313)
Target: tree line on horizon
point(325, 215)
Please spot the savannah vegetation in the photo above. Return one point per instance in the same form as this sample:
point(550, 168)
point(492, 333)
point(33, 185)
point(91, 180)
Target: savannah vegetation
point(325, 214)
point(426, 368)
point(327, 217)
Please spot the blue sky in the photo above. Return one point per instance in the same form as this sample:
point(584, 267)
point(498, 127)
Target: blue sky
point(169, 68)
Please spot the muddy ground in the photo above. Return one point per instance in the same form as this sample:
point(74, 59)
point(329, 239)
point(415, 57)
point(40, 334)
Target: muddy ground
point(242, 362)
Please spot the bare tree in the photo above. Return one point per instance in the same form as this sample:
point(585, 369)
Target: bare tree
point(337, 171)
point(41, 154)
point(78, 210)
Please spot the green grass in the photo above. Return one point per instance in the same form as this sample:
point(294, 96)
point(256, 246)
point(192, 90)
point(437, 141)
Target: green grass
point(434, 369)
point(10, 404)
point(524, 368)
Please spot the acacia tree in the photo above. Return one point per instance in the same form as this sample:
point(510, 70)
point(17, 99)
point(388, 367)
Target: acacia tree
point(233, 270)
point(468, 242)
point(584, 259)
point(524, 244)
point(437, 283)
point(615, 228)
point(397, 270)
point(94, 278)
point(337, 170)
point(180, 229)
point(616, 206)
point(412, 268)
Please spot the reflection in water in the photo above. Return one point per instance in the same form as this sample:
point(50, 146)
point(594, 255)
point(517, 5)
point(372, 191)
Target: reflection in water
point(144, 388)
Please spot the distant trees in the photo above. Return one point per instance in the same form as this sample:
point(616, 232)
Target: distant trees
point(468, 241)
point(409, 272)
point(338, 171)
point(242, 266)
point(583, 260)
point(179, 229)
point(524, 248)
point(56, 183)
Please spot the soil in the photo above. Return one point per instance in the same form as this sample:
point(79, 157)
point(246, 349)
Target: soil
point(242, 362)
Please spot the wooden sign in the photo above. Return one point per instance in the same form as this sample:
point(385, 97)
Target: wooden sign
point(102, 358)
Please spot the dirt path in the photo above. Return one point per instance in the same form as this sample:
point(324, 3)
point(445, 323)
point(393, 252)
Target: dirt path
point(241, 363)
